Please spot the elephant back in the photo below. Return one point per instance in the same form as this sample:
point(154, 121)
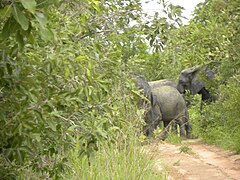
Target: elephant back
point(162, 82)
point(170, 101)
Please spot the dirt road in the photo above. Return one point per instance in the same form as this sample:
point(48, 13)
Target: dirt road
point(194, 160)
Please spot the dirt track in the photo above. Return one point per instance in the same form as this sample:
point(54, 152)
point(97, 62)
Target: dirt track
point(194, 161)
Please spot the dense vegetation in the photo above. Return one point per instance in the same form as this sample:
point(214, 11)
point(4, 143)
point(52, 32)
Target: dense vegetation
point(212, 40)
point(67, 102)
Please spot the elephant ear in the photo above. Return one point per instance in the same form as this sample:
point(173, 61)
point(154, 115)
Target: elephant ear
point(195, 72)
point(191, 73)
point(196, 86)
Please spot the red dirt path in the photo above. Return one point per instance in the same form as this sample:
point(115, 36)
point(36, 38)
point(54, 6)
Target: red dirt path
point(199, 162)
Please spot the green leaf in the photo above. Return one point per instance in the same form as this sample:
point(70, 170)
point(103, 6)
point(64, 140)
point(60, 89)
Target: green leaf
point(20, 18)
point(30, 5)
point(41, 19)
point(71, 129)
point(88, 73)
point(20, 40)
point(67, 72)
point(95, 5)
point(9, 27)
point(6, 29)
point(80, 58)
point(37, 136)
point(46, 34)
point(51, 125)
point(5, 12)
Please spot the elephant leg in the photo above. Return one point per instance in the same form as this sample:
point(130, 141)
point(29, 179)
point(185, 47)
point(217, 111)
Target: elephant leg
point(174, 126)
point(148, 130)
point(145, 130)
point(182, 131)
point(166, 123)
point(156, 123)
point(188, 129)
point(182, 127)
point(160, 124)
point(165, 132)
point(187, 124)
point(150, 127)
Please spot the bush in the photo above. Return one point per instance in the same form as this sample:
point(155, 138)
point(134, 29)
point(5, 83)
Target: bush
point(219, 123)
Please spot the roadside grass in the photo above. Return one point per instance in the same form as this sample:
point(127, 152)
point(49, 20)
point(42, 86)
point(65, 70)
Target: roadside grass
point(127, 161)
point(173, 138)
point(186, 149)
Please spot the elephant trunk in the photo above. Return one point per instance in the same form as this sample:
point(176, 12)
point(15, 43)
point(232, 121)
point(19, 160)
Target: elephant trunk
point(181, 88)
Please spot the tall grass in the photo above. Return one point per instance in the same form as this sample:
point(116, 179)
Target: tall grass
point(125, 161)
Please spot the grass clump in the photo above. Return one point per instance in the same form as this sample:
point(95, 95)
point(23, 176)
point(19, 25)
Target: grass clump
point(173, 138)
point(186, 149)
point(127, 161)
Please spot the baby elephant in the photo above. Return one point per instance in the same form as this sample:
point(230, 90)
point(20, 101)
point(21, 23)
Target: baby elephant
point(167, 105)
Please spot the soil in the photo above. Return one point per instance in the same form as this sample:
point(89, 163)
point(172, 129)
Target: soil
point(194, 160)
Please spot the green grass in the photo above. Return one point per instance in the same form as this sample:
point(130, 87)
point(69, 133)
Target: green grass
point(173, 138)
point(186, 149)
point(114, 162)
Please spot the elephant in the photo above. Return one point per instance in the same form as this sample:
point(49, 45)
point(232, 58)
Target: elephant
point(162, 82)
point(143, 85)
point(144, 102)
point(187, 81)
point(166, 104)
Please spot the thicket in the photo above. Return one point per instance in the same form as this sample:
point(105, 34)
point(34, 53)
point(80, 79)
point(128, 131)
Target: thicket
point(65, 86)
point(211, 40)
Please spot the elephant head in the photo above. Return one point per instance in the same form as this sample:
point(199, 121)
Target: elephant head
point(188, 81)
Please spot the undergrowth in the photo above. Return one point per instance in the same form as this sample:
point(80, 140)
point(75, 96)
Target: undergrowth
point(126, 161)
point(219, 122)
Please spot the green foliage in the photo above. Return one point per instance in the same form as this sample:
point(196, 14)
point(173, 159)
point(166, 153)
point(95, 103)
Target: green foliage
point(64, 80)
point(207, 41)
point(195, 116)
point(173, 138)
point(211, 40)
point(119, 161)
point(219, 122)
point(61, 84)
point(65, 86)
point(221, 127)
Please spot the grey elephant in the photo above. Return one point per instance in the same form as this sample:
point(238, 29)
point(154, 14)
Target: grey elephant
point(187, 80)
point(166, 104)
point(144, 102)
point(162, 82)
point(169, 106)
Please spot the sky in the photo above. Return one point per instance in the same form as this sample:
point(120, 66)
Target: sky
point(187, 4)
